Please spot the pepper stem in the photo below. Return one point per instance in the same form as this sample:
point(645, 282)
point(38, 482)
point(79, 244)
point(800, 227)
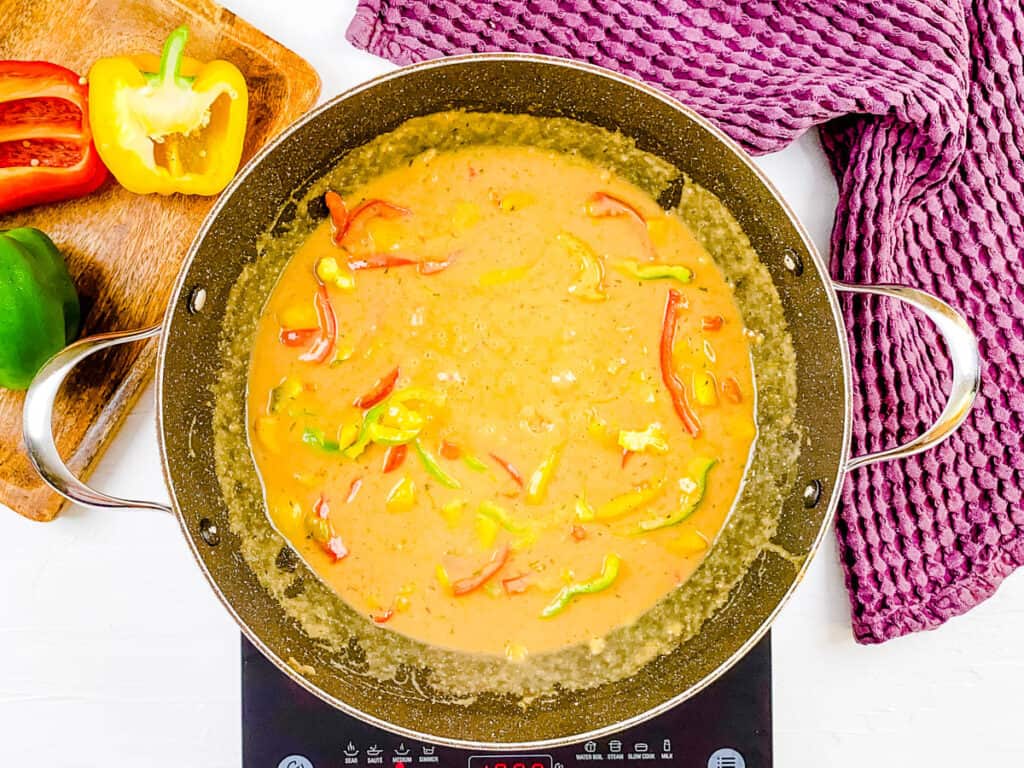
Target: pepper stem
point(171, 56)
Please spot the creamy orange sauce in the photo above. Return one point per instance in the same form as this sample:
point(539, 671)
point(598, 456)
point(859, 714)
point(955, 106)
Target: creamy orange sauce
point(526, 338)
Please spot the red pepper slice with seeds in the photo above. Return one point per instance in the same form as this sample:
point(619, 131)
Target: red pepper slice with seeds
point(674, 385)
point(46, 147)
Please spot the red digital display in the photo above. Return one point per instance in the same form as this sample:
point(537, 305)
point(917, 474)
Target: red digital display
point(504, 761)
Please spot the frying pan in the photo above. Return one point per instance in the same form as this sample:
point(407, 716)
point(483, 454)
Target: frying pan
point(262, 197)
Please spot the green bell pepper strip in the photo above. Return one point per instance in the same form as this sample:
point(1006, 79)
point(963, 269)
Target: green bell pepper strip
point(609, 572)
point(431, 465)
point(370, 417)
point(701, 467)
point(655, 271)
point(501, 516)
point(474, 463)
point(316, 439)
point(39, 310)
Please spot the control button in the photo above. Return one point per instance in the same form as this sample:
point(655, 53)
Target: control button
point(295, 761)
point(350, 750)
point(401, 750)
point(727, 757)
point(590, 746)
point(374, 751)
point(666, 745)
point(641, 747)
point(429, 749)
point(615, 746)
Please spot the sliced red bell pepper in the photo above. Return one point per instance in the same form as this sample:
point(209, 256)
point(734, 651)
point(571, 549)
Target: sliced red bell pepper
point(433, 267)
point(383, 387)
point(483, 575)
point(382, 617)
point(336, 548)
point(711, 322)
point(514, 473)
point(353, 490)
point(578, 533)
point(381, 261)
point(673, 383)
point(626, 456)
point(46, 147)
point(339, 214)
point(328, 330)
point(368, 209)
point(330, 542)
point(450, 450)
point(602, 205)
point(298, 337)
point(731, 390)
point(394, 456)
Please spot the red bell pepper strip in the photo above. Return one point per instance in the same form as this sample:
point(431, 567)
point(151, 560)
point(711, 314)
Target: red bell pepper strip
point(731, 390)
point(383, 387)
point(381, 261)
point(433, 267)
point(394, 456)
point(626, 456)
point(297, 337)
point(353, 490)
point(369, 209)
point(711, 322)
point(673, 383)
point(481, 577)
point(578, 533)
point(339, 214)
point(336, 548)
point(383, 616)
point(324, 345)
point(450, 450)
point(514, 473)
point(602, 205)
point(46, 147)
point(516, 585)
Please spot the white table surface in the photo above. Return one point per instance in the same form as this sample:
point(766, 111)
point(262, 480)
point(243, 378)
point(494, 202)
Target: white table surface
point(114, 652)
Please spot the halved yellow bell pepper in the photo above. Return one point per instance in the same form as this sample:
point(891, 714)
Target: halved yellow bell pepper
point(171, 124)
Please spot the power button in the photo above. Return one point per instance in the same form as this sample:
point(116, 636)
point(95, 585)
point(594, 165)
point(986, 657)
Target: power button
point(295, 761)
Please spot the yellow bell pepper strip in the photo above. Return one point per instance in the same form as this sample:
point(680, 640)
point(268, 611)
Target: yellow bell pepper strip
point(432, 467)
point(385, 435)
point(568, 593)
point(319, 526)
point(629, 502)
point(168, 125)
point(655, 271)
point(700, 468)
point(652, 438)
point(541, 477)
point(402, 496)
point(705, 388)
point(673, 306)
point(287, 390)
point(501, 516)
point(483, 574)
point(589, 284)
point(584, 511)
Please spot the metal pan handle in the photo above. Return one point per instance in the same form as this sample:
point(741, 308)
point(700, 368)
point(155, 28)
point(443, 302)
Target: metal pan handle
point(963, 351)
point(37, 420)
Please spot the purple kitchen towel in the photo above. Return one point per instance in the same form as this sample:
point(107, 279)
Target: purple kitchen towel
point(920, 103)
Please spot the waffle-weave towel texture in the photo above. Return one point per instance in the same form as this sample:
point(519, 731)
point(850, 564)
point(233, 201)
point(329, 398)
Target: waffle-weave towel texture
point(920, 108)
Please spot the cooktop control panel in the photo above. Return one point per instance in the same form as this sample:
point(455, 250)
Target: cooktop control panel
point(726, 726)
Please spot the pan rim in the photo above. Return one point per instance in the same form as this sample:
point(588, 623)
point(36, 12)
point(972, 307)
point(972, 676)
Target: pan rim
point(838, 326)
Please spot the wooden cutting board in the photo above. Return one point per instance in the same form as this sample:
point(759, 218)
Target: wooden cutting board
point(124, 250)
